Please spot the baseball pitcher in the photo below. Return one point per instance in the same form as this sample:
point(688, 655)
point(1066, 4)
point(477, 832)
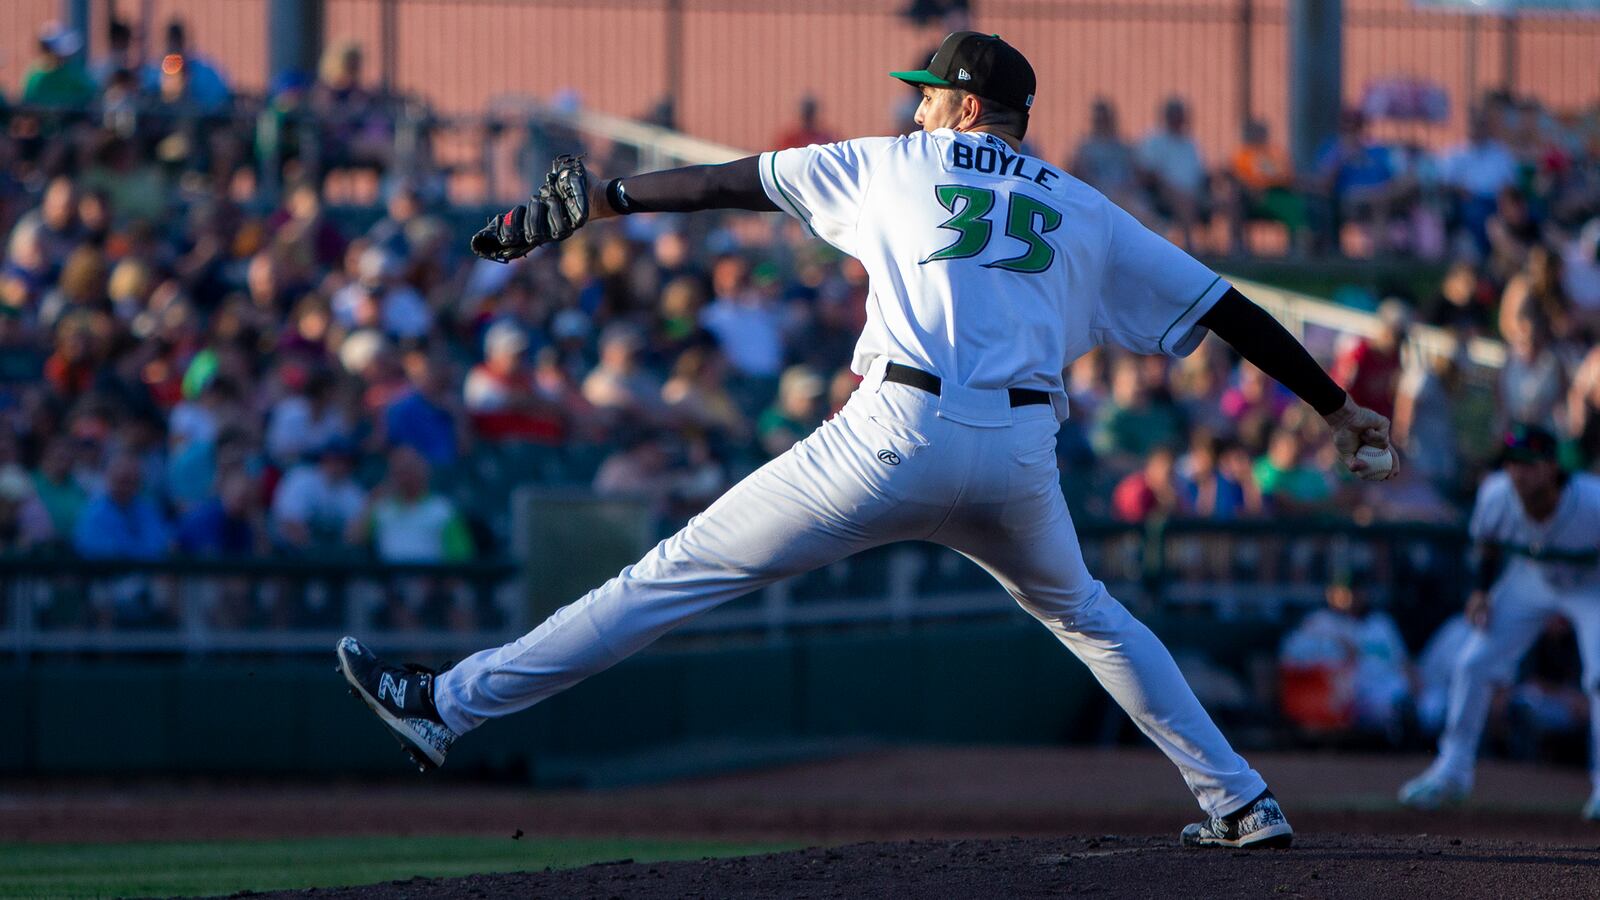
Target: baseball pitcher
point(991, 270)
point(1536, 545)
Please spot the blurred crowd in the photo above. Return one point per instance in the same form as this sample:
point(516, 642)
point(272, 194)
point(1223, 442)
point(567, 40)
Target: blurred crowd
point(192, 365)
point(1346, 674)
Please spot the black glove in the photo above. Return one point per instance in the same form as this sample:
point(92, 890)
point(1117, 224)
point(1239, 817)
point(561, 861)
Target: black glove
point(560, 208)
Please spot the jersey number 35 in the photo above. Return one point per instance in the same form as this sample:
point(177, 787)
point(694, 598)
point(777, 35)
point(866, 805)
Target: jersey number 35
point(1027, 220)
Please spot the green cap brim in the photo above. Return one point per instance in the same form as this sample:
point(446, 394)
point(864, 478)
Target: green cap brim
point(921, 76)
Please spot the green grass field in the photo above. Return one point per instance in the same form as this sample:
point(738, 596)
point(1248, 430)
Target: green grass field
point(222, 867)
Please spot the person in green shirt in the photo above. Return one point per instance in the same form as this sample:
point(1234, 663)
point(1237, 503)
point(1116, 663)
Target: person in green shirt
point(1282, 476)
point(55, 79)
point(1136, 420)
point(63, 497)
point(796, 413)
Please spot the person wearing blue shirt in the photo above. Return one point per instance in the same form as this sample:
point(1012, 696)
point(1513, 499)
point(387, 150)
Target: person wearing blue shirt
point(425, 418)
point(121, 522)
point(229, 523)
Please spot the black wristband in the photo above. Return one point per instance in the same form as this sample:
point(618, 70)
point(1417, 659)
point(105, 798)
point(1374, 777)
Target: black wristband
point(616, 197)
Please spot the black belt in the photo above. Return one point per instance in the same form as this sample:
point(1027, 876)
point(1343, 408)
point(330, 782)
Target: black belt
point(923, 381)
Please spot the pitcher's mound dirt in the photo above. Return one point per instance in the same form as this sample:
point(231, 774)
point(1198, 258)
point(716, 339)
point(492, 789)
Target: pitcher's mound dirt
point(1366, 867)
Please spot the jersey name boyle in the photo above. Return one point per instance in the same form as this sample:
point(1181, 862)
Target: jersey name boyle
point(997, 159)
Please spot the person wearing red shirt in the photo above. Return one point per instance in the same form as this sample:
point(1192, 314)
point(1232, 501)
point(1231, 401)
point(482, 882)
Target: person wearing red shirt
point(807, 131)
point(1370, 368)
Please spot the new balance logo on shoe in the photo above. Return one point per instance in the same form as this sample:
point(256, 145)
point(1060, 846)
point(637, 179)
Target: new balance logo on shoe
point(393, 687)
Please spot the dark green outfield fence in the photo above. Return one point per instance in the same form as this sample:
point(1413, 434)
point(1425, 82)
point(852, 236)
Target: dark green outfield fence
point(1007, 682)
point(230, 670)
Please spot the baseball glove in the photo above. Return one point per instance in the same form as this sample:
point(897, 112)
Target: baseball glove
point(551, 216)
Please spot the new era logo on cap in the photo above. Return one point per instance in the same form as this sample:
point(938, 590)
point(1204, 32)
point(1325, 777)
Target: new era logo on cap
point(963, 76)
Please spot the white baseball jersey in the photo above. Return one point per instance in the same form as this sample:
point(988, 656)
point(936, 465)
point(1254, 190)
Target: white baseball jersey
point(1550, 569)
point(989, 268)
point(1563, 551)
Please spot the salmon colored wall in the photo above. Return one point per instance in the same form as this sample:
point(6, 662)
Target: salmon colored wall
point(747, 62)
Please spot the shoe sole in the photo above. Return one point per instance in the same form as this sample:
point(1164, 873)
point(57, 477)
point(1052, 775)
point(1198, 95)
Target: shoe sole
point(1273, 837)
point(423, 755)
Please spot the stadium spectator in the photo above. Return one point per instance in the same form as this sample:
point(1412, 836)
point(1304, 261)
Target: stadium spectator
point(379, 299)
point(1286, 480)
point(355, 130)
point(60, 493)
point(795, 414)
point(1263, 187)
point(746, 318)
point(229, 523)
point(697, 395)
point(1170, 163)
point(501, 396)
point(1136, 419)
point(24, 522)
point(1358, 181)
point(639, 468)
point(121, 54)
point(306, 241)
point(1478, 171)
point(57, 79)
point(405, 522)
point(316, 501)
point(1462, 303)
point(1107, 163)
point(122, 521)
point(1580, 273)
point(54, 226)
point(1369, 368)
point(427, 417)
point(306, 417)
point(1533, 382)
point(619, 385)
point(1583, 409)
point(204, 85)
point(808, 130)
point(1424, 425)
point(1153, 490)
point(1367, 659)
point(1205, 488)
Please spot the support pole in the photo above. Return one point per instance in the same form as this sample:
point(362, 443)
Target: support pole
point(294, 36)
point(1315, 76)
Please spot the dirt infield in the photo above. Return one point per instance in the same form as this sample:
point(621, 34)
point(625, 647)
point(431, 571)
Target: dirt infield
point(943, 822)
point(891, 794)
point(1328, 865)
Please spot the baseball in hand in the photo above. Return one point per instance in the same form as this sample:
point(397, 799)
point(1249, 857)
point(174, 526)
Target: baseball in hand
point(1379, 460)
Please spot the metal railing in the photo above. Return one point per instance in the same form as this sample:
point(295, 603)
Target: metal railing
point(1239, 570)
point(50, 604)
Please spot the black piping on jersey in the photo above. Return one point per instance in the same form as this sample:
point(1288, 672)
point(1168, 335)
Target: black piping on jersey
point(1162, 343)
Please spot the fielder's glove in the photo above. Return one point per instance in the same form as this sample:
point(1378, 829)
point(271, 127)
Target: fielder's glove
point(551, 216)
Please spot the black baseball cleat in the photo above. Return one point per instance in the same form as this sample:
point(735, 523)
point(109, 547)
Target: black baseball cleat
point(402, 696)
point(1260, 823)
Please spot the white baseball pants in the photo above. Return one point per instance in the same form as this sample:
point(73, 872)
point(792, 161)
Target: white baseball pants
point(1519, 604)
point(962, 469)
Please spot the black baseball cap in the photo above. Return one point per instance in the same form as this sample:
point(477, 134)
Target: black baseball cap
point(1528, 443)
point(982, 64)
